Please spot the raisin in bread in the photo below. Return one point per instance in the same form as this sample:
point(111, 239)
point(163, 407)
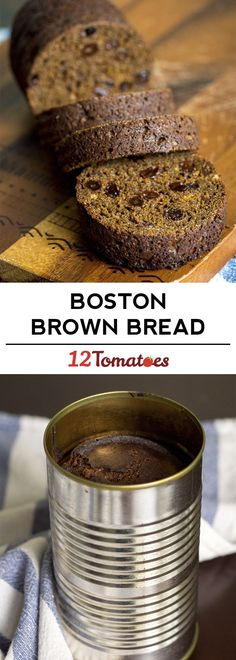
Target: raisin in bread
point(157, 211)
point(133, 137)
point(63, 51)
point(57, 123)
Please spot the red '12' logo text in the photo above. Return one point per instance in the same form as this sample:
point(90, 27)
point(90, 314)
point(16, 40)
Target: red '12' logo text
point(99, 359)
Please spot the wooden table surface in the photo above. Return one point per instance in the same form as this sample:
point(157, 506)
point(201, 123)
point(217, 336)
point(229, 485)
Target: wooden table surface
point(193, 46)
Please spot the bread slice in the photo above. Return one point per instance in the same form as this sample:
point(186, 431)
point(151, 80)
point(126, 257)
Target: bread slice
point(57, 123)
point(63, 51)
point(132, 137)
point(158, 211)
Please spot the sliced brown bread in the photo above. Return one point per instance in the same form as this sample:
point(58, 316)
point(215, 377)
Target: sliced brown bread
point(63, 51)
point(158, 211)
point(57, 123)
point(133, 137)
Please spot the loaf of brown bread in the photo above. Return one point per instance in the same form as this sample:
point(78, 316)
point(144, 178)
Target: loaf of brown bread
point(64, 51)
point(158, 211)
point(114, 139)
point(58, 123)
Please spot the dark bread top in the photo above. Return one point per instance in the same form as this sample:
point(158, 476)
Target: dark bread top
point(40, 21)
point(116, 139)
point(57, 123)
point(123, 460)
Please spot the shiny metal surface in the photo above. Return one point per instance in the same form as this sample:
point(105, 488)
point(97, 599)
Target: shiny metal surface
point(126, 558)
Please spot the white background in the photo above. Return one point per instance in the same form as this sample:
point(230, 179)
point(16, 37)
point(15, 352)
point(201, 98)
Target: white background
point(19, 303)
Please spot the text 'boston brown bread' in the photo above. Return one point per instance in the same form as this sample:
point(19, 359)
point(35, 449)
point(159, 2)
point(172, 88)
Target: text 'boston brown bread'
point(58, 123)
point(63, 51)
point(133, 137)
point(156, 211)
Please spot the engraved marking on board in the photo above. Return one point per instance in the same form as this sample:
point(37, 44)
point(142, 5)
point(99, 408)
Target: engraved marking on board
point(141, 276)
point(57, 242)
point(150, 277)
point(25, 162)
point(5, 220)
point(27, 230)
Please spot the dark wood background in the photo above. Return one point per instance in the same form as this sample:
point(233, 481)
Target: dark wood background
point(208, 396)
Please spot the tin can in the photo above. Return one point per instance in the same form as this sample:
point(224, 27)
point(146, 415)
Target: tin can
point(126, 557)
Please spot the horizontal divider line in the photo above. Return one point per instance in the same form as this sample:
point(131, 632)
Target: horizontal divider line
point(115, 344)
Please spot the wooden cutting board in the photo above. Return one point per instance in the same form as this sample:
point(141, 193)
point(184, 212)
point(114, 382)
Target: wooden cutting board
point(193, 46)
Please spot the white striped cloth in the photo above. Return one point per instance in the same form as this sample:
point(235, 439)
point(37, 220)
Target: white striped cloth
point(30, 627)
